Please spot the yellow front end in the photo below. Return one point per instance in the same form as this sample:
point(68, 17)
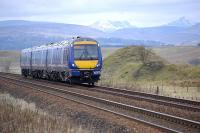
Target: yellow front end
point(86, 64)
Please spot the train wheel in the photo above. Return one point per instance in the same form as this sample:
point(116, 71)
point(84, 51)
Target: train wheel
point(91, 83)
point(24, 74)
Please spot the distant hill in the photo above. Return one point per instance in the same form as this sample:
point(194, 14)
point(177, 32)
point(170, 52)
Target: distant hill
point(166, 34)
point(109, 26)
point(178, 32)
point(23, 34)
point(181, 22)
point(19, 34)
point(129, 65)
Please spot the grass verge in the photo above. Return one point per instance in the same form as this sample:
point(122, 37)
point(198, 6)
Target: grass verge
point(18, 116)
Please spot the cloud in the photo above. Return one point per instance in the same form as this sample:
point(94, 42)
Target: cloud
point(139, 12)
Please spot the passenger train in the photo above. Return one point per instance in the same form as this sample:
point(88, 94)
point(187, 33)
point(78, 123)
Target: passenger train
point(78, 60)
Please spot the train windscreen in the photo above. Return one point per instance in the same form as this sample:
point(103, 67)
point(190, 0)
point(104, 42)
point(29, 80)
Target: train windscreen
point(85, 52)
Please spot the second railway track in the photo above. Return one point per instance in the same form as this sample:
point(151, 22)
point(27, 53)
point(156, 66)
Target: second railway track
point(153, 98)
point(160, 119)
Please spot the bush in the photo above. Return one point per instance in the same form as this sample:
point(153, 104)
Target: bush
point(154, 65)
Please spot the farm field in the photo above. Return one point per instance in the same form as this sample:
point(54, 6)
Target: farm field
point(179, 54)
point(154, 74)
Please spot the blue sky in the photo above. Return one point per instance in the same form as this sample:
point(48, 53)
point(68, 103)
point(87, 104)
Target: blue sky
point(140, 13)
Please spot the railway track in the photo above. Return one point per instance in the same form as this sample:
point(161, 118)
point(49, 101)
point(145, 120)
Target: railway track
point(153, 98)
point(123, 109)
point(169, 101)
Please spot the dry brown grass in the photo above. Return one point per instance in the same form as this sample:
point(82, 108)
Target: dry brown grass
point(21, 117)
point(165, 88)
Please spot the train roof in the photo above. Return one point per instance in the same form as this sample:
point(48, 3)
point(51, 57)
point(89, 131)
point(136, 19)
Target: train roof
point(46, 46)
point(58, 44)
point(83, 39)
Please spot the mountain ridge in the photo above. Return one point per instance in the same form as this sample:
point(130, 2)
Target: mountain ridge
point(18, 34)
point(110, 26)
point(180, 22)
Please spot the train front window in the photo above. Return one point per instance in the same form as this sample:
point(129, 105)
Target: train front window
point(86, 52)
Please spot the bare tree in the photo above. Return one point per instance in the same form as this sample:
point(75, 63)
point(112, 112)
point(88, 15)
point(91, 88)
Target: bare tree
point(144, 55)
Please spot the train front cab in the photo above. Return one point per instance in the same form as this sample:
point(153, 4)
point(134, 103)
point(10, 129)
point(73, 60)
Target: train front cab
point(85, 62)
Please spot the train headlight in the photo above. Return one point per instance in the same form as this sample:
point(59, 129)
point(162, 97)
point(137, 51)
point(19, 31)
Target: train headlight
point(73, 64)
point(98, 65)
point(97, 72)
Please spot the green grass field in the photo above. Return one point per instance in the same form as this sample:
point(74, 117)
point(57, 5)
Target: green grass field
point(126, 68)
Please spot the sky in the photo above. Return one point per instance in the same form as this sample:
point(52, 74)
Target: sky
point(141, 13)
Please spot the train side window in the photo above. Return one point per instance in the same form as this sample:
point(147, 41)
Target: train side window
point(43, 57)
point(42, 54)
point(33, 57)
point(26, 58)
point(56, 61)
point(54, 56)
point(39, 56)
point(65, 56)
point(59, 55)
point(49, 56)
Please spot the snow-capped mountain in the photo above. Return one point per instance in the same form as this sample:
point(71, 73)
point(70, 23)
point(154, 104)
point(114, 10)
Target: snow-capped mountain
point(181, 22)
point(109, 26)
